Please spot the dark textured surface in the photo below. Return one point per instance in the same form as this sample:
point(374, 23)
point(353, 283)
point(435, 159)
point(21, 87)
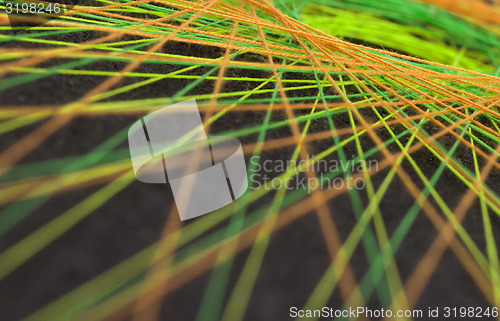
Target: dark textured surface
point(133, 219)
